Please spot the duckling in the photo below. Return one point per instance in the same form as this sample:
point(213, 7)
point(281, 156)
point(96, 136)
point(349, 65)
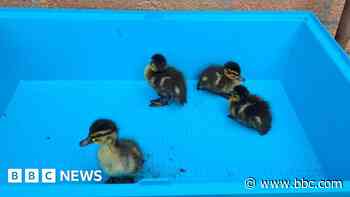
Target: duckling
point(220, 80)
point(121, 159)
point(168, 82)
point(250, 110)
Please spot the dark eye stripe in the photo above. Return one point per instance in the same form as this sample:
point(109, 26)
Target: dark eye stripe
point(233, 72)
point(102, 134)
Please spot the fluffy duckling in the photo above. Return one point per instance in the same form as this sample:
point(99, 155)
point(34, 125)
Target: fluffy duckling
point(220, 80)
point(121, 159)
point(250, 110)
point(168, 82)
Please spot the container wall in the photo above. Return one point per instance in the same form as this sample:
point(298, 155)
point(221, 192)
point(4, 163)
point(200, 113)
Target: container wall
point(80, 45)
point(10, 57)
point(117, 45)
point(316, 79)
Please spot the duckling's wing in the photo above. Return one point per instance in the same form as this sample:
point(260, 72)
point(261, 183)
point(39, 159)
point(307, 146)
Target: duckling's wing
point(265, 110)
point(211, 76)
point(251, 110)
point(211, 70)
point(253, 99)
point(130, 147)
point(179, 82)
point(260, 115)
point(260, 107)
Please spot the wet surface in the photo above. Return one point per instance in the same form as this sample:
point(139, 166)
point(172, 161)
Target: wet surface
point(150, 171)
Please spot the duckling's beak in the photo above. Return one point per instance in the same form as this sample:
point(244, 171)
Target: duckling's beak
point(85, 142)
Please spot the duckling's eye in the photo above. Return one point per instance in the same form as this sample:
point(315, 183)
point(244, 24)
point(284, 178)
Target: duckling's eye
point(93, 139)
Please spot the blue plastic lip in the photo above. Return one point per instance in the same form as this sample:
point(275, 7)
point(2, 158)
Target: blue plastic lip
point(310, 20)
point(178, 189)
point(334, 50)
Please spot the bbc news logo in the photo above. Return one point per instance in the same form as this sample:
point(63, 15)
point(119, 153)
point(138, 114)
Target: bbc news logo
point(50, 176)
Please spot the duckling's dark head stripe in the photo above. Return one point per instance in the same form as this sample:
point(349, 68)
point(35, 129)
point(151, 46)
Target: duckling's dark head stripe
point(159, 60)
point(233, 66)
point(102, 125)
point(101, 133)
point(233, 72)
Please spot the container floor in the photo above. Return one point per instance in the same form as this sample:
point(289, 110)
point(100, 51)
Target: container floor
point(45, 121)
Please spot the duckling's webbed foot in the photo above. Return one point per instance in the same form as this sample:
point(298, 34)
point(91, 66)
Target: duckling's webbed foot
point(225, 95)
point(231, 116)
point(120, 180)
point(199, 86)
point(162, 101)
point(110, 180)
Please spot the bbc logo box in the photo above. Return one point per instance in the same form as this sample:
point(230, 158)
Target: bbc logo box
point(31, 175)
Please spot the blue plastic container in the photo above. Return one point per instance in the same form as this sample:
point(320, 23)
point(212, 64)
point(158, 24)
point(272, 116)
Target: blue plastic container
point(62, 69)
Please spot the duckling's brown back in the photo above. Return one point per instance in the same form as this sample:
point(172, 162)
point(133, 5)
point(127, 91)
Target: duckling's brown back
point(180, 82)
point(261, 109)
point(211, 71)
point(210, 77)
point(131, 148)
point(173, 83)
